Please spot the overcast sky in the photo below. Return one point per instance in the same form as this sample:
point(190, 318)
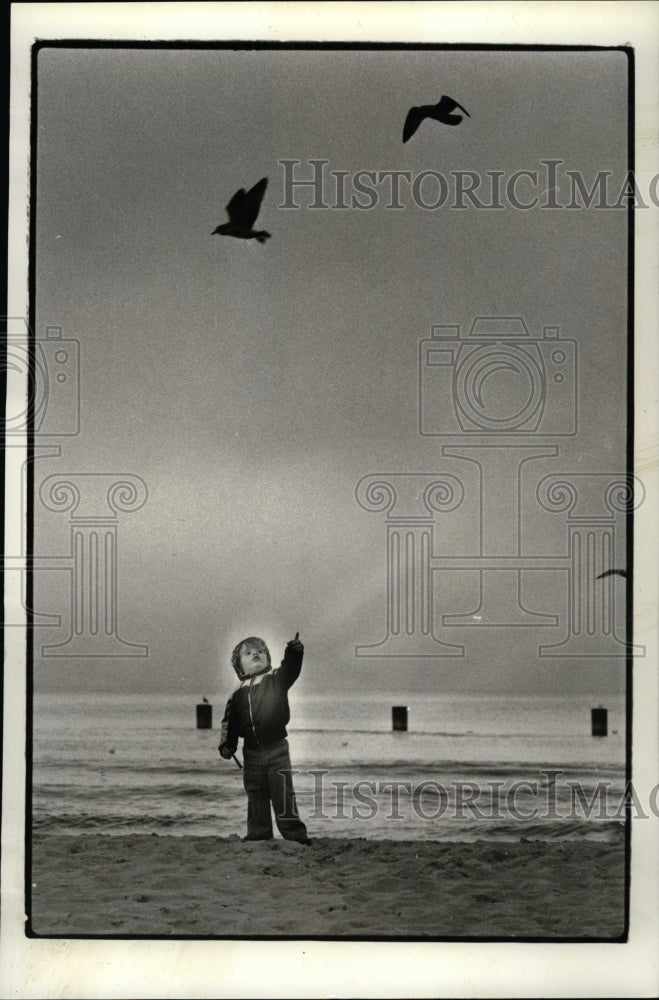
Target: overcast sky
point(252, 386)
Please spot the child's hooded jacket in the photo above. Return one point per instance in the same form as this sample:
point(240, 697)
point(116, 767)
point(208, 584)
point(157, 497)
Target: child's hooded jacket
point(258, 710)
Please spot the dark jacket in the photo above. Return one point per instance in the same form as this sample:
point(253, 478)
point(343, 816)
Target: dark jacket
point(258, 710)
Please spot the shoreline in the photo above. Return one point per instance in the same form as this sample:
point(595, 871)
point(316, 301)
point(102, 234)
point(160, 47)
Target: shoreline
point(165, 885)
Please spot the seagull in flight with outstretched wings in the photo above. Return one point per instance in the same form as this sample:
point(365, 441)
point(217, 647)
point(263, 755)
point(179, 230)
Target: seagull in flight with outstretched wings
point(243, 210)
point(442, 112)
point(612, 572)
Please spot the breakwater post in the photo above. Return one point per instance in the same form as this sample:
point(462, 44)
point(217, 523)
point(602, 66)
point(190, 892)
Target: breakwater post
point(399, 718)
point(204, 716)
point(598, 722)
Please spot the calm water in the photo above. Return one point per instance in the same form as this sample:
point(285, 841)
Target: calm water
point(470, 767)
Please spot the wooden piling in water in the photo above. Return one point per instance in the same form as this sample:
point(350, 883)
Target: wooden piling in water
point(399, 718)
point(598, 722)
point(204, 716)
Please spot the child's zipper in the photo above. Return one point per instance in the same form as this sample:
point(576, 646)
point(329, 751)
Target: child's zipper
point(251, 717)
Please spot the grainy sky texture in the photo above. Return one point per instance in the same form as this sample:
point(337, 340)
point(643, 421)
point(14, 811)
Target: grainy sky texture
point(252, 386)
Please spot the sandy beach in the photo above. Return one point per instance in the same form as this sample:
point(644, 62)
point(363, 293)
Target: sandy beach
point(196, 886)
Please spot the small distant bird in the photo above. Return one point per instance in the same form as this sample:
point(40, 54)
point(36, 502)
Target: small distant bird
point(205, 701)
point(612, 572)
point(243, 210)
point(442, 112)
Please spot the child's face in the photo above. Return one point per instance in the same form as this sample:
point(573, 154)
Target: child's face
point(253, 658)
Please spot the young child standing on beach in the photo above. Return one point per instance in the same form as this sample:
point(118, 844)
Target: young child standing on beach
point(258, 711)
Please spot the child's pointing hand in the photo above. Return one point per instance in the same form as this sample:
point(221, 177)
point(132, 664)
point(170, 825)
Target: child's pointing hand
point(296, 644)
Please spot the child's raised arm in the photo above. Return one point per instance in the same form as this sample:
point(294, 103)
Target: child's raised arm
point(292, 662)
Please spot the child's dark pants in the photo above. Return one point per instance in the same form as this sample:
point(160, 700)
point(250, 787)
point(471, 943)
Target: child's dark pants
point(267, 778)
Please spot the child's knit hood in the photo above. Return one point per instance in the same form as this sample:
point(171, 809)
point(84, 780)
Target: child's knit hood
point(235, 658)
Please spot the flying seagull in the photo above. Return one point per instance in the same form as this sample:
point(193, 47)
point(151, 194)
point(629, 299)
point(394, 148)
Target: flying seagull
point(612, 572)
point(243, 210)
point(442, 112)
